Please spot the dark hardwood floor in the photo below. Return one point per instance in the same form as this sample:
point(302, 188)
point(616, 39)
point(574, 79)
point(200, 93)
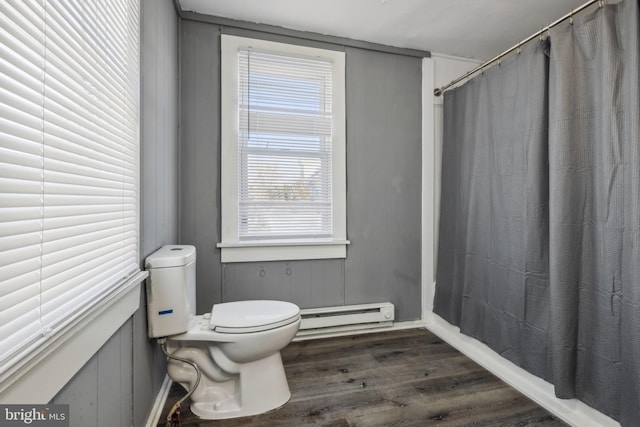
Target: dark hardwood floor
point(399, 378)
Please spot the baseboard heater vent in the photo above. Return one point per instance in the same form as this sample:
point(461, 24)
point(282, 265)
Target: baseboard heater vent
point(345, 318)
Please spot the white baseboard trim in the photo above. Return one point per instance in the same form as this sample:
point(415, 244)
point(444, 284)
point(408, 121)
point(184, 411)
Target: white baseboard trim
point(158, 405)
point(358, 330)
point(571, 411)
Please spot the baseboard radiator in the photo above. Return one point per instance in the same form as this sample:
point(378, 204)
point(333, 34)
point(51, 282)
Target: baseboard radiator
point(326, 321)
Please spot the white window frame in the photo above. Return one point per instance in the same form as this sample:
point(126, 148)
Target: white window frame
point(234, 250)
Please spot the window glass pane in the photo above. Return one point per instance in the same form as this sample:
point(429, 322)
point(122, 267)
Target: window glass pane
point(284, 148)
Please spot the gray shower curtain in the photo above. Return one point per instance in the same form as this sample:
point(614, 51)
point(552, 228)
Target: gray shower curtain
point(539, 252)
point(493, 272)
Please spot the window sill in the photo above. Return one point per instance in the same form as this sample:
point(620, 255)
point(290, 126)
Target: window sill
point(282, 251)
point(66, 352)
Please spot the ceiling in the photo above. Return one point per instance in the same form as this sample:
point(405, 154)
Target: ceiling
point(479, 29)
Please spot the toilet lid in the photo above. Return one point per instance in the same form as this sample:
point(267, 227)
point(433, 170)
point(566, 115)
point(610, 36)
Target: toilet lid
point(252, 316)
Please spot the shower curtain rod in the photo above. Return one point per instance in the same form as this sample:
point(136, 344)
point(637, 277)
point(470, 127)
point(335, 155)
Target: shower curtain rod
point(440, 91)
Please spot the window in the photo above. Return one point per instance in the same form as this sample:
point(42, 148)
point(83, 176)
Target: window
point(69, 83)
point(283, 152)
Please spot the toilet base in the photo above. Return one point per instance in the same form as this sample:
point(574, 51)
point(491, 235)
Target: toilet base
point(260, 387)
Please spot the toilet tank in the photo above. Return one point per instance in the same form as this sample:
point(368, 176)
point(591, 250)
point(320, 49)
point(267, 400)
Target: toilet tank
point(171, 290)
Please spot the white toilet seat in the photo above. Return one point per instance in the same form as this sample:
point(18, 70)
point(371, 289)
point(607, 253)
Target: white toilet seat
point(241, 317)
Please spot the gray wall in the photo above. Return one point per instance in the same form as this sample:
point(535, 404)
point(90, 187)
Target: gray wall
point(159, 126)
point(383, 184)
point(384, 180)
point(101, 393)
point(118, 386)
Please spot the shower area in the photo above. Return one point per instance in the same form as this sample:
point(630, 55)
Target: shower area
point(539, 248)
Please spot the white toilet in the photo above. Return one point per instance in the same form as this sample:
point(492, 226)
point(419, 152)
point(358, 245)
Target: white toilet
point(236, 347)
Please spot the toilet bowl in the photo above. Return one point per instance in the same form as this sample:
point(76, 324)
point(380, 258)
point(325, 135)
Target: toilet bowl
point(236, 346)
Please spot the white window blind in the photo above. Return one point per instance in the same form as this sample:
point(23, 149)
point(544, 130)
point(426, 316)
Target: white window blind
point(69, 84)
point(283, 151)
point(284, 146)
